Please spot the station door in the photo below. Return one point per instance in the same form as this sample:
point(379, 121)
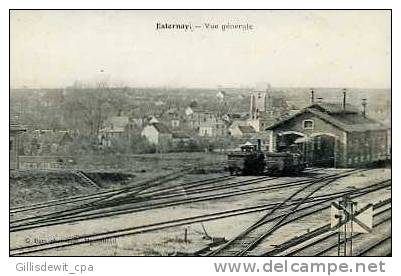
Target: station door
point(323, 151)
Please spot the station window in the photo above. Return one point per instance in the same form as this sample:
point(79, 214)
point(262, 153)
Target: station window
point(308, 124)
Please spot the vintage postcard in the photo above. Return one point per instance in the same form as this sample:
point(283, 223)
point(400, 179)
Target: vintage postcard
point(200, 133)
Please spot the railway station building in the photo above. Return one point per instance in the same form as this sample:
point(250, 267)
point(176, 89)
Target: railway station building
point(332, 135)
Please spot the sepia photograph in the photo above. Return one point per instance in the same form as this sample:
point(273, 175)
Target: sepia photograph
point(200, 133)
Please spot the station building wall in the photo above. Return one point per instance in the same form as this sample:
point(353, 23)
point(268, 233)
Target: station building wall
point(320, 127)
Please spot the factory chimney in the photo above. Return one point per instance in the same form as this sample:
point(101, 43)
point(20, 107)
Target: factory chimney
point(364, 104)
point(269, 99)
point(344, 98)
point(312, 96)
point(251, 109)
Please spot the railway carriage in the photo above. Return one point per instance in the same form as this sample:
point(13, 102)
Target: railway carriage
point(250, 160)
point(284, 163)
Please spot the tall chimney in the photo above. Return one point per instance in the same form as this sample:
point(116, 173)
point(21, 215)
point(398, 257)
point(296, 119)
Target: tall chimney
point(364, 103)
point(312, 96)
point(344, 98)
point(251, 109)
point(268, 104)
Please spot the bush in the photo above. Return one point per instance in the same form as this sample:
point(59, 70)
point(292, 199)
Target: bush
point(140, 144)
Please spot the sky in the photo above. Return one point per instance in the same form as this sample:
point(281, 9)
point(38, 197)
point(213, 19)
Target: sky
point(50, 49)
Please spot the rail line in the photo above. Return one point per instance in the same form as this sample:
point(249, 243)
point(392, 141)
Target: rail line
point(296, 246)
point(97, 198)
point(107, 192)
point(118, 208)
point(166, 178)
point(255, 234)
point(139, 199)
point(386, 242)
point(191, 189)
point(333, 246)
point(91, 205)
point(173, 223)
point(66, 202)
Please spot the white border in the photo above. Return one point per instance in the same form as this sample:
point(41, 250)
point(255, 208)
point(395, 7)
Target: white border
point(185, 266)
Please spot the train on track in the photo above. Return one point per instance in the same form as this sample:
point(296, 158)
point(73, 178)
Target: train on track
point(251, 160)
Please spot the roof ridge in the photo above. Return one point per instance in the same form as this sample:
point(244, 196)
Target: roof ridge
point(330, 118)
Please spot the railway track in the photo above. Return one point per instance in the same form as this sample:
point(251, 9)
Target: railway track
point(64, 203)
point(142, 204)
point(137, 230)
point(329, 247)
point(94, 200)
point(146, 184)
point(89, 201)
point(377, 248)
point(108, 192)
point(261, 229)
point(173, 223)
point(321, 240)
point(202, 186)
point(129, 206)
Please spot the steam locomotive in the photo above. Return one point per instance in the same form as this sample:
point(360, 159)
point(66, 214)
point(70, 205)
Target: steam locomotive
point(251, 160)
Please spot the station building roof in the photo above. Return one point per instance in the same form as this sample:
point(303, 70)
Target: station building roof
point(348, 119)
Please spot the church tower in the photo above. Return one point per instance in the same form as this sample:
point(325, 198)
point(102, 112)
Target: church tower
point(260, 109)
point(260, 103)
